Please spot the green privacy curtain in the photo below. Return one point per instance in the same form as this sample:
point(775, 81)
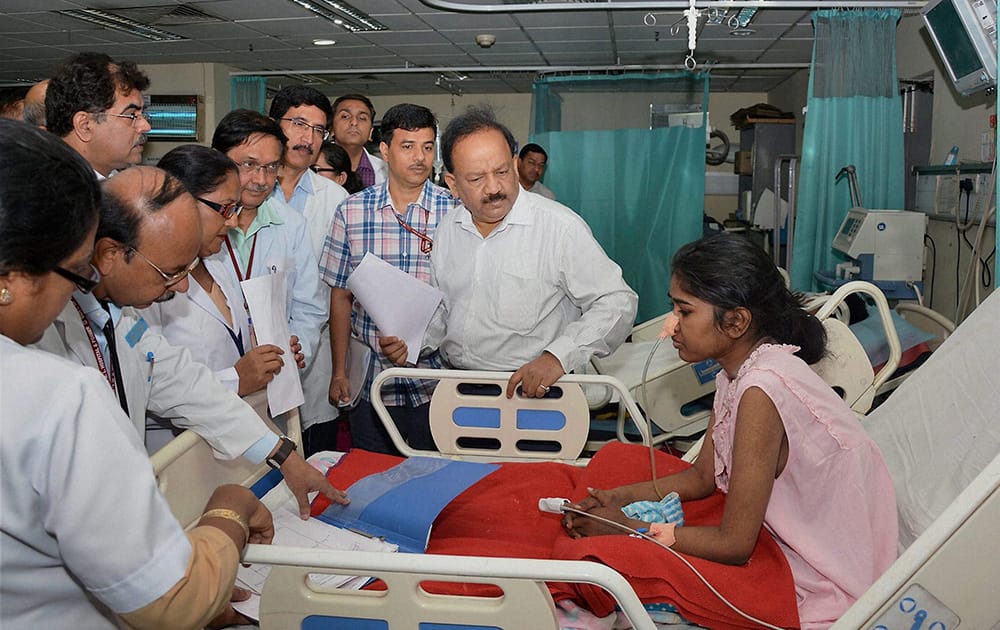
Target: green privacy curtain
point(855, 116)
point(642, 191)
point(248, 93)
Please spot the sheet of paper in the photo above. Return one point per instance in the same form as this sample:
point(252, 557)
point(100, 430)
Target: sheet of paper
point(290, 530)
point(265, 297)
point(399, 304)
point(764, 214)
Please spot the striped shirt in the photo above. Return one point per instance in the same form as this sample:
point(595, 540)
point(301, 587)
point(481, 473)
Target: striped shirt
point(367, 222)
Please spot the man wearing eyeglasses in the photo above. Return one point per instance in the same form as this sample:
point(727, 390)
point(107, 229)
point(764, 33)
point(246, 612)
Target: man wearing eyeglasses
point(96, 106)
point(270, 237)
point(304, 115)
point(395, 221)
point(147, 242)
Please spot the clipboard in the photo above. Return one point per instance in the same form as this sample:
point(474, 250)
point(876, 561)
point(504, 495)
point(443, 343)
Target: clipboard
point(359, 358)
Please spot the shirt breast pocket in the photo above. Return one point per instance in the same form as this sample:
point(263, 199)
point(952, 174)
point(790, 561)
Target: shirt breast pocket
point(281, 264)
point(521, 298)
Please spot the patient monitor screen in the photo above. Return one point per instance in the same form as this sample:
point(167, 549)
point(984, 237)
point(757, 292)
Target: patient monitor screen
point(955, 42)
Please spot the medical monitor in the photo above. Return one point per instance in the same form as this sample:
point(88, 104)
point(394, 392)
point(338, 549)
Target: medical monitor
point(965, 34)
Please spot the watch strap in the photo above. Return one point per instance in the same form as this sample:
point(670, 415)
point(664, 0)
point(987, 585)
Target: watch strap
point(285, 448)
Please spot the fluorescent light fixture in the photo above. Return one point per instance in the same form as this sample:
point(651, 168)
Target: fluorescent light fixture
point(324, 42)
point(123, 24)
point(347, 17)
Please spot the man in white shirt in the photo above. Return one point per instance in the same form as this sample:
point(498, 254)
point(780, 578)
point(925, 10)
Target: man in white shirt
point(526, 287)
point(531, 163)
point(96, 106)
point(353, 117)
point(304, 115)
point(147, 242)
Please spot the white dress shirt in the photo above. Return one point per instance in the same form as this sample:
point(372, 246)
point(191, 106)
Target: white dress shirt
point(83, 529)
point(538, 282)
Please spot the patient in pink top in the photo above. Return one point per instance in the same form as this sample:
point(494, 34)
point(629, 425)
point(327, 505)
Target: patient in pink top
point(788, 453)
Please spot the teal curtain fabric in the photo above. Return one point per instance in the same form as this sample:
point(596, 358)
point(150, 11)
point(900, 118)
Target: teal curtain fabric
point(642, 191)
point(854, 116)
point(248, 93)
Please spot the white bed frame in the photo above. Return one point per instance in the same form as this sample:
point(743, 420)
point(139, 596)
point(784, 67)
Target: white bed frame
point(952, 568)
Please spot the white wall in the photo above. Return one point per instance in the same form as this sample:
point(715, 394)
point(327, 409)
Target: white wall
point(513, 110)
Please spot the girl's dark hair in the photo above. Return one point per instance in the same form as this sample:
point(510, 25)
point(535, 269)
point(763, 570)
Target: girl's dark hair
point(199, 168)
point(337, 158)
point(49, 199)
point(728, 271)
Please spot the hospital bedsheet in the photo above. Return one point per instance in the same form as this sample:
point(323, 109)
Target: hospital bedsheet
point(499, 517)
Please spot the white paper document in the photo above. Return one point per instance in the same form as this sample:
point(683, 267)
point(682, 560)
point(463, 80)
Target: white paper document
point(265, 297)
point(399, 304)
point(290, 530)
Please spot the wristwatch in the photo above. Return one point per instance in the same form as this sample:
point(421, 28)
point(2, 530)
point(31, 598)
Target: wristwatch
point(285, 448)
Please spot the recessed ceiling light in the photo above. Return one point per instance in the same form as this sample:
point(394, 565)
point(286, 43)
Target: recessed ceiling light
point(324, 42)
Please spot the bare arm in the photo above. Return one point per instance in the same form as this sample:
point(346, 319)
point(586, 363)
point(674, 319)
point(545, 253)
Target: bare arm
point(340, 335)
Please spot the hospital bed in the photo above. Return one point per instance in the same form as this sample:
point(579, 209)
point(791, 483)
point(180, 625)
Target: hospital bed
point(673, 389)
point(940, 437)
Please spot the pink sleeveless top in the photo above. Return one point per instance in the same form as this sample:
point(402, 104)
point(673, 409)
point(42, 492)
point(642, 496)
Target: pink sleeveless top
point(833, 508)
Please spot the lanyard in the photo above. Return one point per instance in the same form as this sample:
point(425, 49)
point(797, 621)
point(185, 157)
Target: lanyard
point(426, 243)
point(109, 374)
point(236, 263)
point(101, 365)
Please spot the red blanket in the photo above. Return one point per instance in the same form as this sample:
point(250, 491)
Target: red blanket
point(499, 517)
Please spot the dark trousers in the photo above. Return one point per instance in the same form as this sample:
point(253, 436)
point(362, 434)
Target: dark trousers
point(368, 432)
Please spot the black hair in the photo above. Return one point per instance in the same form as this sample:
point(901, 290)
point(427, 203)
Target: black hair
point(336, 156)
point(49, 199)
point(87, 82)
point(296, 96)
point(728, 271)
point(406, 116)
point(199, 168)
point(11, 99)
point(122, 217)
point(238, 125)
point(475, 119)
point(355, 97)
point(531, 147)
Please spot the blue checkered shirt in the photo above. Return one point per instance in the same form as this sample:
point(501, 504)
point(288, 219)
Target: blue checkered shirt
point(366, 222)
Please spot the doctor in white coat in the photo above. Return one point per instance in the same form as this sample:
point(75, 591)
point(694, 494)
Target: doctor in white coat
point(304, 115)
point(209, 318)
point(147, 243)
point(86, 539)
point(270, 236)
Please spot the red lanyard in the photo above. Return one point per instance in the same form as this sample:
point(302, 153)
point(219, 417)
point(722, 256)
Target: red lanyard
point(236, 263)
point(426, 243)
point(101, 365)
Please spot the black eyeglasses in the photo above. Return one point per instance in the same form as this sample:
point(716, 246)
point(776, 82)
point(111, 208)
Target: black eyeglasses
point(323, 169)
point(225, 209)
point(302, 124)
point(86, 285)
point(134, 117)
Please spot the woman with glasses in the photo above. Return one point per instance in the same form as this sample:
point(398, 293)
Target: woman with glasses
point(334, 164)
point(86, 540)
point(210, 319)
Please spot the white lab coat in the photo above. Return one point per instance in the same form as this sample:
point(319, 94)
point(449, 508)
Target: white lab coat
point(192, 320)
point(318, 212)
point(82, 525)
point(287, 248)
point(172, 386)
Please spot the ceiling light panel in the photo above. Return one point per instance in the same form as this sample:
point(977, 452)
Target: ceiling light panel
point(342, 14)
point(110, 20)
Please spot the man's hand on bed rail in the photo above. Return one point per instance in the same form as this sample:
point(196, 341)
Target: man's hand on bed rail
point(536, 377)
point(394, 349)
point(302, 479)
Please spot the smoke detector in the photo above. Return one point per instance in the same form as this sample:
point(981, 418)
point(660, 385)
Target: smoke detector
point(485, 40)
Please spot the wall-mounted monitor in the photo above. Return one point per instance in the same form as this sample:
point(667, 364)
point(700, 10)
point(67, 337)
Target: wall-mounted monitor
point(965, 34)
point(173, 118)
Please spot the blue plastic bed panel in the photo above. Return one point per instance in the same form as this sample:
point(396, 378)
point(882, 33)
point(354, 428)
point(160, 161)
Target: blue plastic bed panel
point(479, 417)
